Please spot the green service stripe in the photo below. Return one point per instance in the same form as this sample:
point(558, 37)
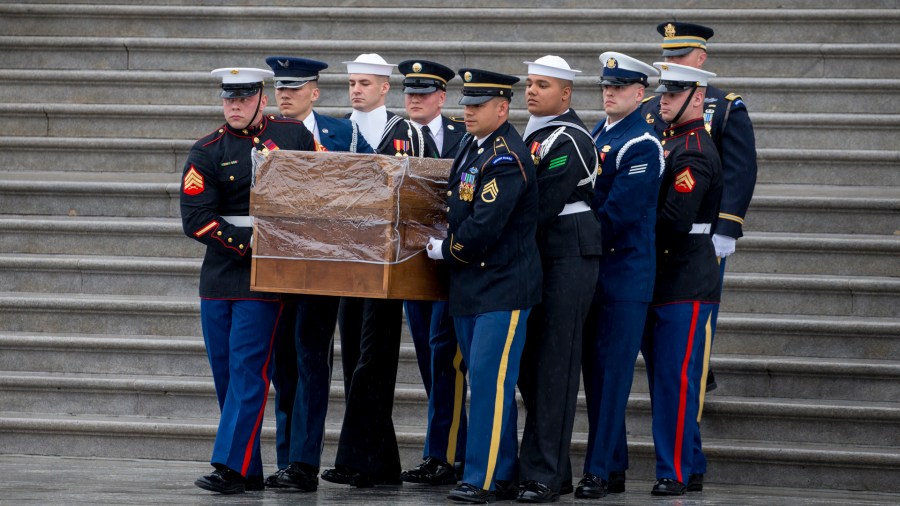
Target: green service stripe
point(558, 162)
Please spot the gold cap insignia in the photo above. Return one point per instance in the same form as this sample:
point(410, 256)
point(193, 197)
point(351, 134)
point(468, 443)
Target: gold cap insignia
point(670, 30)
point(417, 67)
point(235, 72)
point(467, 76)
point(611, 63)
point(664, 67)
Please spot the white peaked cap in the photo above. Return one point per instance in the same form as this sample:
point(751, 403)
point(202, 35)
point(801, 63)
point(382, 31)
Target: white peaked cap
point(673, 75)
point(241, 75)
point(369, 63)
point(552, 66)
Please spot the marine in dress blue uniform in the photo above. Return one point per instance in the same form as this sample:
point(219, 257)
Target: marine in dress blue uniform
point(687, 285)
point(305, 339)
point(569, 241)
point(728, 122)
point(495, 277)
point(437, 352)
point(238, 325)
point(631, 162)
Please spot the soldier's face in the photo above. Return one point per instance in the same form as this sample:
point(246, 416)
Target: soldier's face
point(482, 119)
point(620, 101)
point(670, 103)
point(695, 58)
point(547, 96)
point(367, 91)
point(297, 102)
point(424, 107)
point(238, 111)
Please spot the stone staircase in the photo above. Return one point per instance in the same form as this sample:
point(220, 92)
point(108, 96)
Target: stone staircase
point(100, 347)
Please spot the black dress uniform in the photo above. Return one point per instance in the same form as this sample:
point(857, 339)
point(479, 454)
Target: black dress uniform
point(238, 324)
point(495, 279)
point(686, 290)
point(569, 241)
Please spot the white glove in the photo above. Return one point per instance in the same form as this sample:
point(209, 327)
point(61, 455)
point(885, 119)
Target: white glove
point(434, 248)
point(724, 245)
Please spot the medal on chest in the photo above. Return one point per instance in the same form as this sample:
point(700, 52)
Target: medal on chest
point(467, 185)
point(401, 147)
point(535, 148)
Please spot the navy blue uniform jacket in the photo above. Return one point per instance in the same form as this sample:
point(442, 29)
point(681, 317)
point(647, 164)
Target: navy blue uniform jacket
point(337, 134)
point(492, 201)
point(686, 265)
point(564, 176)
point(625, 194)
point(728, 122)
point(216, 183)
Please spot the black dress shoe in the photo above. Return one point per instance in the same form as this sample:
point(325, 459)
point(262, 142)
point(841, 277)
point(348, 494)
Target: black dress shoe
point(591, 486)
point(339, 475)
point(431, 471)
point(535, 491)
point(665, 486)
point(346, 476)
point(254, 484)
point(299, 476)
point(223, 481)
point(616, 482)
point(506, 490)
point(566, 488)
point(711, 382)
point(272, 479)
point(472, 494)
point(695, 483)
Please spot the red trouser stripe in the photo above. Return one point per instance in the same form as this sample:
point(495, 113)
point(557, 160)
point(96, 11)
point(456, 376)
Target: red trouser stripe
point(248, 453)
point(682, 395)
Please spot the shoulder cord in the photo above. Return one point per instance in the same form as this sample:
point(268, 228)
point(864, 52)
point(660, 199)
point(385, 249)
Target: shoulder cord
point(409, 132)
point(645, 137)
point(548, 143)
point(354, 135)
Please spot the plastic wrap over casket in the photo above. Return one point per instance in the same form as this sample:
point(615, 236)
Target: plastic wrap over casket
point(354, 210)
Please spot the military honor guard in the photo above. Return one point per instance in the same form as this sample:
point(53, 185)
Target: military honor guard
point(367, 453)
point(728, 122)
point(238, 324)
point(687, 284)
point(305, 338)
point(438, 354)
point(495, 277)
point(628, 179)
point(569, 241)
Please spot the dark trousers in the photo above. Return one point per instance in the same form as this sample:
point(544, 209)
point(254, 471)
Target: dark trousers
point(550, 370)
point(370, 347)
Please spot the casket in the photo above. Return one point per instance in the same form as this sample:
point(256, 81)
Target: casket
point(348, 224)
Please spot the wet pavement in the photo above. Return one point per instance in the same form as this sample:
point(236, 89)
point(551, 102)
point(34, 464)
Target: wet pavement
point(43, 480)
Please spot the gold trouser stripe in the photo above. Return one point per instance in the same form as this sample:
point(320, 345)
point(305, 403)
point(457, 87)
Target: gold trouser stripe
point(498, 402)
point(707, 346)
point(459, 391)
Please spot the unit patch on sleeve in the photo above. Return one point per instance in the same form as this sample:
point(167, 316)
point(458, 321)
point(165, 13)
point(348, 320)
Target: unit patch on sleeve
point(684, 181)
point(193, 182)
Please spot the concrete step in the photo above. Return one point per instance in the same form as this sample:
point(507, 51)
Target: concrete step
point(99, 274)
point(836, 254)
point(167, 156)
point(828, 166)
point(762, 94)
point(772, 464)
point(625, 25)
point(773, 130)
point(100, 314)
point(107, 236)
point(825, 336)
point(811, 295)
point(187, 398)
point(90, 194)
point(823, 379)
point(820, 60)
point(535, 4)
point(826, 209)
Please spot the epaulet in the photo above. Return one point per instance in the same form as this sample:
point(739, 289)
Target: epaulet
point(731, 97)
point(282, 119)
point(502, 152)
point(648, 99)
point(212, 137)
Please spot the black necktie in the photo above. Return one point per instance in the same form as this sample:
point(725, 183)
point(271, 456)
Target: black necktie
point(429, 141)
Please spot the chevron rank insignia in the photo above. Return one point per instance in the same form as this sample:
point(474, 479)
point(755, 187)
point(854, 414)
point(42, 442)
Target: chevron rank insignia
point(490, 191)
point(684, 181)
point(193, 182)
point(557, 162)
